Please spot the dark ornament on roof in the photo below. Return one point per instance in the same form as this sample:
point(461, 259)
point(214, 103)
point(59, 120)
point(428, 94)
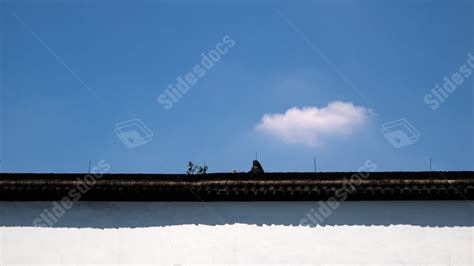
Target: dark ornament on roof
point(256, 168)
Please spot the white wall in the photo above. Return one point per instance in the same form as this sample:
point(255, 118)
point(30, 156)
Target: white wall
point(238, 232)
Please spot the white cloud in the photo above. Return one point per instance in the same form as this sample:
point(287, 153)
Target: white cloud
point(311, 125)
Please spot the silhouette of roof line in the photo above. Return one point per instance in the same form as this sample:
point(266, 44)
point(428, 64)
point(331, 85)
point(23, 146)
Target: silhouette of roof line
point(453, 185)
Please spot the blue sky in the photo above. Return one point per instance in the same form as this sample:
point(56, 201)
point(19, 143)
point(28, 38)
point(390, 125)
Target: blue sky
point(72, 71)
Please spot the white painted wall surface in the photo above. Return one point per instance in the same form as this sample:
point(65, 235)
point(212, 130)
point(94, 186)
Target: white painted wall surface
point(114, 233)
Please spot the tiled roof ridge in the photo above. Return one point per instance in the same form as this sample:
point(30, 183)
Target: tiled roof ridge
point(242, 187)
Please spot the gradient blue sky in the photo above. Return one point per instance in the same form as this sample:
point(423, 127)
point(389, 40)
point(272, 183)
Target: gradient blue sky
point(127, 53)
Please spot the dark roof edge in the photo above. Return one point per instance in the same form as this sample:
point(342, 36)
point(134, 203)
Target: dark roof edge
point(452, 185)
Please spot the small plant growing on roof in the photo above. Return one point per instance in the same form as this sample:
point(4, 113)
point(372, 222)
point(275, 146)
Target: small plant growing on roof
point(191, 168)
point(201, 170)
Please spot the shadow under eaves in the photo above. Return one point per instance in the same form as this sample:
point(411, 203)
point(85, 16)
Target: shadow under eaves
point(152, 214)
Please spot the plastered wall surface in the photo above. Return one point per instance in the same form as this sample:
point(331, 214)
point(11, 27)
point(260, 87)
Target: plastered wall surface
point(131, 233)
